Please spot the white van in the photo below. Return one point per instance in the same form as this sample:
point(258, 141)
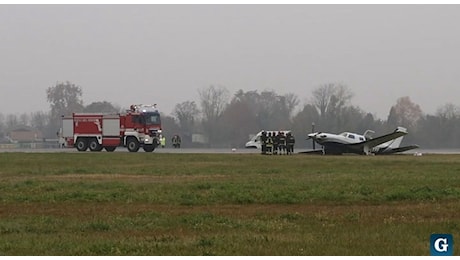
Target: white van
point(254, 142)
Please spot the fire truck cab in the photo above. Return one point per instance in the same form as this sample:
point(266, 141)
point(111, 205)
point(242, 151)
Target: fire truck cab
point(139, 127)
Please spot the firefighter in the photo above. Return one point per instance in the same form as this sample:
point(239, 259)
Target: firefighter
point(275, 142)
point(269, 143)
point(174, 141)
point(263, 142)
point(282, 142)
point(178, 141)
point(290, 141)
point(163, 141)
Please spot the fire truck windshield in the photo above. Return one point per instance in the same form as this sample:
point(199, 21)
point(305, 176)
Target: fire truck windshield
point(152, 118)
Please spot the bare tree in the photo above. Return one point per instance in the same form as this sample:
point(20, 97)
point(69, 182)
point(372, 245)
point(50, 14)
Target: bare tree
point(213, 101)
point(448, 111)
point(39, 120)
point(11, 121)
point(331, 98)
point(24, 119)
point(186, 113)
point(331, 101)
point(292, 101)
point(322, 96)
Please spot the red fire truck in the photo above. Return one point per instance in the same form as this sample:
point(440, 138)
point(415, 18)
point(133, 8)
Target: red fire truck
point(139, 127)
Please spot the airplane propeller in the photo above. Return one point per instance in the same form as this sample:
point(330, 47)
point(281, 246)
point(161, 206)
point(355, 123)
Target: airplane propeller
point(312, 135)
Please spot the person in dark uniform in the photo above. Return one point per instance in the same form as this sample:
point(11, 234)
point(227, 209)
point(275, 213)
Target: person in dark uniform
point(290, 141)
point(269, 143)
point(179, 140)
point(263, 142)
point(276, 138)
point(176, 141)
point(282, 143)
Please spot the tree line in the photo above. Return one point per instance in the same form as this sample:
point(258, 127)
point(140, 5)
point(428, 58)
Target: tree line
point(226, 120)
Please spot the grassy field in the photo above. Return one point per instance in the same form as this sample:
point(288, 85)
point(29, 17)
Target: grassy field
point(225, 204)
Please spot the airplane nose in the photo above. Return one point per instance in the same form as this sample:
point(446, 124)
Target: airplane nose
point(313, 136)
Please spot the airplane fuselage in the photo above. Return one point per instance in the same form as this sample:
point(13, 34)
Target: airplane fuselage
point(347, 142)
point(338, 144)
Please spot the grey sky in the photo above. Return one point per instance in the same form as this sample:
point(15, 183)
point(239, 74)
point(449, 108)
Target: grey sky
point(163, 54)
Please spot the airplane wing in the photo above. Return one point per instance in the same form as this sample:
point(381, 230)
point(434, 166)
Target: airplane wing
point(366, 146)
point(399, 149)
point(312, 152)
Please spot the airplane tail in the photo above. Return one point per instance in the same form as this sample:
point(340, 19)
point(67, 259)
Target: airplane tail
point(395, 143)
point(394, 146)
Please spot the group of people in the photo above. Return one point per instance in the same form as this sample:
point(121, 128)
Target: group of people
point(175, 140)
point(277, 143)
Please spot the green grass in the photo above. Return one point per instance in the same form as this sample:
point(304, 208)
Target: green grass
point(225, 204)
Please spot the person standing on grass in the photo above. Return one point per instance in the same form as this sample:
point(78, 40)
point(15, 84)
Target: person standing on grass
point(175, 141)
point(276, 139)
point(163, 141)
point(269, 143)
point(263, 142)
point(290, 141)
point(282, 143)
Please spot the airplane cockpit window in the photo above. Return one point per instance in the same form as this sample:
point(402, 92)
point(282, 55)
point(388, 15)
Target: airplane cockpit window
point(361, 138)
point(351, 136)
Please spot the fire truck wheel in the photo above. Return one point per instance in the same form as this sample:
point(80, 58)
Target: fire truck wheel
point(110, 148)
point(81, 144)
point(94, 145)
point(133, 145)
point(149, 147)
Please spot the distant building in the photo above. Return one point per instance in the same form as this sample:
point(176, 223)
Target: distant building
point(24, 134)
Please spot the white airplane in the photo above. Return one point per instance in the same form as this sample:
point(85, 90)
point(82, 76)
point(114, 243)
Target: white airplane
point(347, 142)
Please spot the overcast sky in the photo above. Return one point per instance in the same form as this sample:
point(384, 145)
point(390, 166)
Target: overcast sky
point(163, 54)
